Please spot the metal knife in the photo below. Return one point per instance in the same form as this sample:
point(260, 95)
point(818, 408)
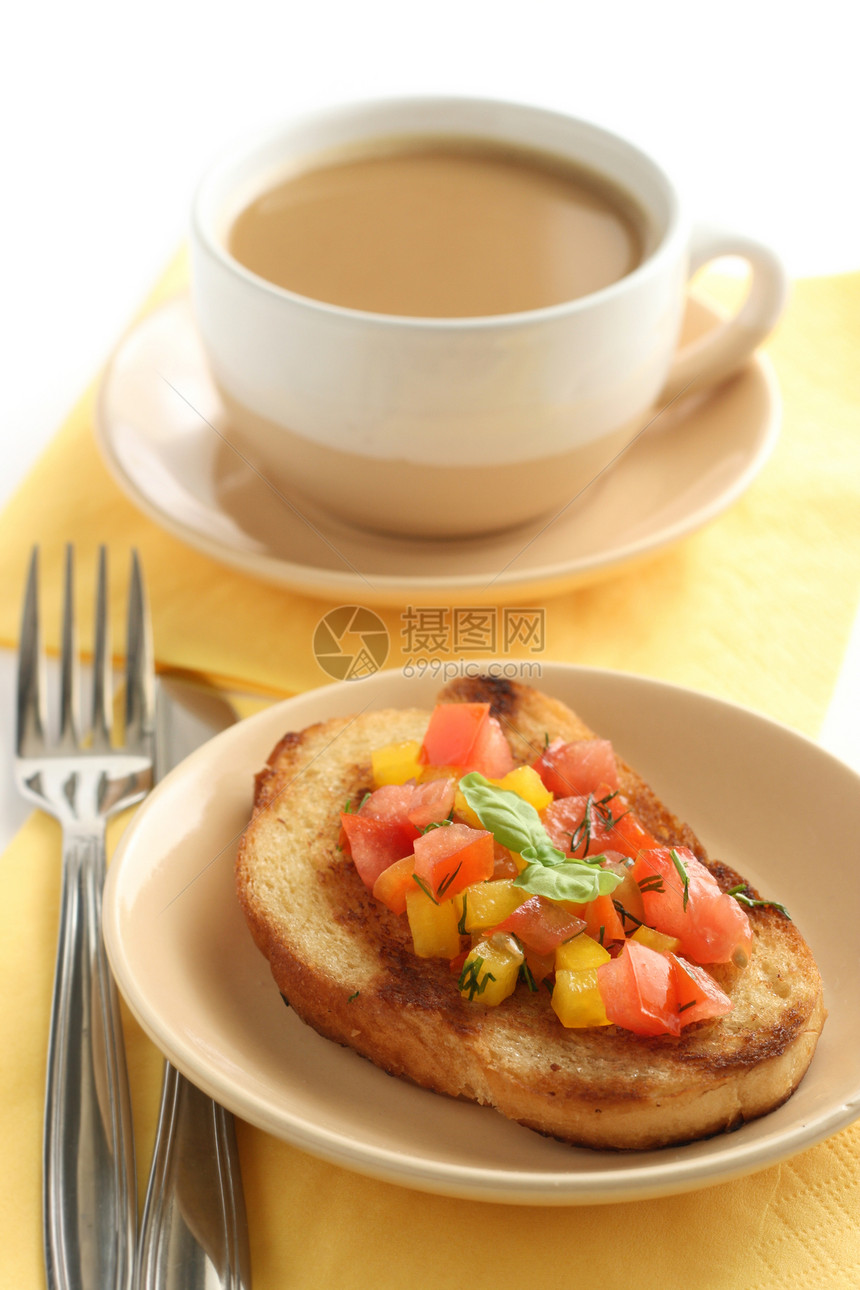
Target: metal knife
point(194, 1232)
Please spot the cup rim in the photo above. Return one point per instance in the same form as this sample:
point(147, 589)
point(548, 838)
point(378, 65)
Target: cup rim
point(255, 143)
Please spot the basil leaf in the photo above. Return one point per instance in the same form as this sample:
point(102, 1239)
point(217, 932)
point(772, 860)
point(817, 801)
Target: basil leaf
point(516, 824)
point(512, 821)
point(572, 881)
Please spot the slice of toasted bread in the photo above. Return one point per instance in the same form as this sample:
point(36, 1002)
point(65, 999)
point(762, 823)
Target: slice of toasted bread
point(345, 963)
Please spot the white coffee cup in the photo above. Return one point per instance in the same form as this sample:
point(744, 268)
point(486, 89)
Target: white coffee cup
point(454, 427)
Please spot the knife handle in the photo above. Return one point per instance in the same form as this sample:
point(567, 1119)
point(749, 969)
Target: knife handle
point(194, 1232)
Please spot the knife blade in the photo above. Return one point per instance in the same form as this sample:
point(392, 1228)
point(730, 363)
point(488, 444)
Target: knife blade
point(194, 1231)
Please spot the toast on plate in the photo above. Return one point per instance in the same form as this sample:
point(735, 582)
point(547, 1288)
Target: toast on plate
point(346, 962)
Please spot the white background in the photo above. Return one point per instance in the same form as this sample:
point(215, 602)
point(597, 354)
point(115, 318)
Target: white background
point(110, 112)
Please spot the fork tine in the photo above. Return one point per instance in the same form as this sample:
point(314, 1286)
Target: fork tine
point(69, 666)
point(102, 718)
point(139, 675)
point(30, 706)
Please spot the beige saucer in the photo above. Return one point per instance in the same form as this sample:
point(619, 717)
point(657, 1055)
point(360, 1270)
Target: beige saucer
point(163, 433)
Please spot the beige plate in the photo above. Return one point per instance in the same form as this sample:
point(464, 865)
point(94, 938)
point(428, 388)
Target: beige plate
point(187, 966)
point(164, 435)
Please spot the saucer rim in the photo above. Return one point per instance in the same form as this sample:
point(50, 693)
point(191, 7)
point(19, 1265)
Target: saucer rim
point(382, 589)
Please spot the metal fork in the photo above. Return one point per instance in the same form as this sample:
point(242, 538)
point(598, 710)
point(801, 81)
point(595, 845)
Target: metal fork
point(89, 1189)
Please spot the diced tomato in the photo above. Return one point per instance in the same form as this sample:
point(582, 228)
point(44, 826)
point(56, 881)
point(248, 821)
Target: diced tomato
point(431, 802)
point(637, 989)
point(697, 995)
point(563, 821)
point(394, 884)
point(415, 804)
point(466, 736)
point(602, 920)
point(504, 864)
point(492, 754)
point(451, 858)
point(626, 833)
point(389, 802)
point(591, 824)
point(540, 965)
point(654, 994)
point(710, 926)
point(451, 733)
point(577, 768)
point(374, 844)
point(542, 924)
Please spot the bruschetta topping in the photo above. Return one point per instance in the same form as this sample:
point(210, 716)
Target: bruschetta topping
point(541, 874)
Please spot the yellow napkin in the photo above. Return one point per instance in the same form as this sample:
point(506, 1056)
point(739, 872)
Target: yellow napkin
point(756, 608)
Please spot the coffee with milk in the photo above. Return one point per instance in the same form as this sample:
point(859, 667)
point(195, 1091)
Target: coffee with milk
point(441, 228)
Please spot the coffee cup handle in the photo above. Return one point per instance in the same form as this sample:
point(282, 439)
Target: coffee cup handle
point(721, 352)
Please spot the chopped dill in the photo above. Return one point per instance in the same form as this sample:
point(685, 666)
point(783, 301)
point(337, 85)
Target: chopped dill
point(750, 901)
point(461, 925)
point(439, 824)
point(447, 880)
point(425, 888)
point(682, 872)
point(348, 807)
point(626, 916)
point(596, 813)
point(471, 982)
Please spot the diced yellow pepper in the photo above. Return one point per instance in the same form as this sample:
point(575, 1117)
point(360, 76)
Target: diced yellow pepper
point(576, 999)
point(435, 933)
point(463, 811)
point(489, 903)
point(527, 784)
point(491, 970)
point(396, 763)
point(656, 940)
point(581, 952)
point(437, 772)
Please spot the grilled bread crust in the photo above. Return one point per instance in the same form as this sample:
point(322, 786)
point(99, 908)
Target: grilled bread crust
point(345, 963)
